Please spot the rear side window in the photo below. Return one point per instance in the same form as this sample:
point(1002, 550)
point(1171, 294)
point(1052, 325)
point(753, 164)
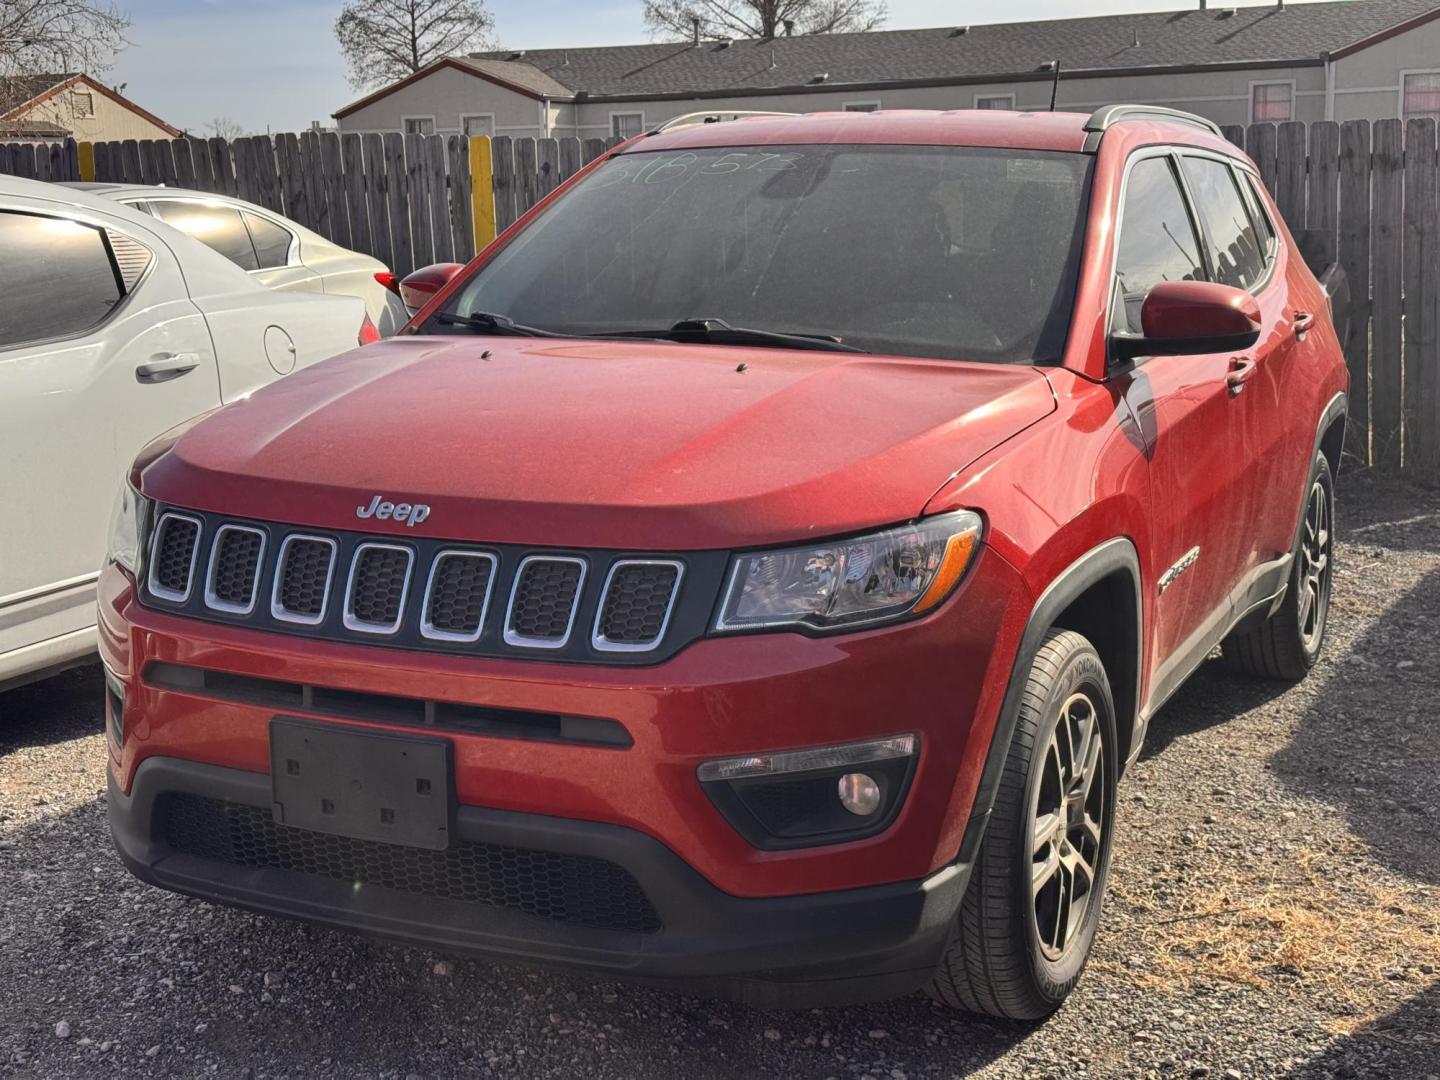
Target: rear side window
point(58, 278)
point(217, 227)
point(1157, 239)
point(1264, 227)
point(1235, 251)
point(272, 243)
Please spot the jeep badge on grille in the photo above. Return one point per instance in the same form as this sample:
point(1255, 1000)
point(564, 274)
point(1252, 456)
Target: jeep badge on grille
point(411, 514)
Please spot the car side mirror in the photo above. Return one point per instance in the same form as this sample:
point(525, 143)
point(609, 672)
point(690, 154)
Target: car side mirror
point(1189, 318)
point(417, 289)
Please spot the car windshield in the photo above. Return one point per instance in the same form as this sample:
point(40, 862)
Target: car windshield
point(952, 252)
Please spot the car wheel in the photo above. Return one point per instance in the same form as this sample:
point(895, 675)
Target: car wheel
point(1028, 918)
point(1287, 644)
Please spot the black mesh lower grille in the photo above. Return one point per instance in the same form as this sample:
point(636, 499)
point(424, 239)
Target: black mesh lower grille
point(457, 592)
point(303, 576)
point(236, 563)
point(377, 586)
point(174, 550)
point(544, 599)
point(636, 603)
point(548, 885)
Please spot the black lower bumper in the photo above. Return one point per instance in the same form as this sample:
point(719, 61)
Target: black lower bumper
point(817, 949)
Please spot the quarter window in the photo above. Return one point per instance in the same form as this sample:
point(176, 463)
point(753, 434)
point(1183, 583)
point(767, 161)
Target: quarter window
point(1235, 253)
point(1272, 103)
point(219, 228)
point(272, 242)
point(58, 278)
point(1157, 239)
point(1422, 96)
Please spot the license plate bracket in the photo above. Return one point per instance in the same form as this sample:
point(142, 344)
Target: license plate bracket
point(367, 785)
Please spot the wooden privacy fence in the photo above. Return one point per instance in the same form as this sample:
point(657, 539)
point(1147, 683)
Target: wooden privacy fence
point(1361, 193)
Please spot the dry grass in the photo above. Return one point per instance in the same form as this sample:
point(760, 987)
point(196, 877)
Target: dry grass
point(1314, 924)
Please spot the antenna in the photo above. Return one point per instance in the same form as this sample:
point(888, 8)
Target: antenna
point(1055, 84)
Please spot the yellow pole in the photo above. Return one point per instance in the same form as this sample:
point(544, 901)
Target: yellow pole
point(85, 155)
point(482, 191)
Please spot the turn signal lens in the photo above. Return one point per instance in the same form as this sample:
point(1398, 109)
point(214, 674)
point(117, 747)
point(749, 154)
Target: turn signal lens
point(855, 582)
point(809, 760)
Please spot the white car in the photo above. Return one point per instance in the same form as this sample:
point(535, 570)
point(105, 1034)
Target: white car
point(278, 252)
point(113, 329)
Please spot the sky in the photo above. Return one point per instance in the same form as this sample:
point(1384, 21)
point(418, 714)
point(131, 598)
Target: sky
point(274, 65)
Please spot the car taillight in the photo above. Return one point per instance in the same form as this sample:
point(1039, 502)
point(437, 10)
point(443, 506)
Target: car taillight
point(368, 332)
point(389, 280)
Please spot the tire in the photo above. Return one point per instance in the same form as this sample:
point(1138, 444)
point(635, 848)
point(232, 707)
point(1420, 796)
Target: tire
point(1287, 644)
point(1002, 958)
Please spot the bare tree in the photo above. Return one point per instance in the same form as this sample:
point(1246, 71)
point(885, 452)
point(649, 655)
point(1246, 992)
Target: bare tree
point(385, 40)
point(226, 127)
point(760, 18)
point(54, 36)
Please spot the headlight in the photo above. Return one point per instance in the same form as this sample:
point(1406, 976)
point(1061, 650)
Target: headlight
point(127, 528)
point(854, 582)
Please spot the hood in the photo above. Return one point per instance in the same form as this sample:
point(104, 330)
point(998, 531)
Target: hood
point(630, 445)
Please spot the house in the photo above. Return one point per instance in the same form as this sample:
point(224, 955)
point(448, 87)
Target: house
point(1353, 59)
point(49, 107)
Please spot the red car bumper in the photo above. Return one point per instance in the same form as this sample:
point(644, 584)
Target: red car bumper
point(721, 908)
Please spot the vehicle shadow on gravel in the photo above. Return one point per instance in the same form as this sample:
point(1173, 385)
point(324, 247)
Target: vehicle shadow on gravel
point(1404, 1043)
point(54, 710)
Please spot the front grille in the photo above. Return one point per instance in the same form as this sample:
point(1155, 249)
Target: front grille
point(458, 595)
point(379, 580)
point(303, 580)
point(234, 568)
point(577, 889)
point(172, 566)
point(637, 603)
point(542, 607)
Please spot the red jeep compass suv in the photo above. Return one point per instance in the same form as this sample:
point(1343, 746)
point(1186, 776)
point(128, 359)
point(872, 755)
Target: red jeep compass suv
point(754, 571)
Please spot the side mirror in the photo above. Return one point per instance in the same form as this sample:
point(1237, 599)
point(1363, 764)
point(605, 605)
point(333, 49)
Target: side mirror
point(417, 289)
point(1189, 318)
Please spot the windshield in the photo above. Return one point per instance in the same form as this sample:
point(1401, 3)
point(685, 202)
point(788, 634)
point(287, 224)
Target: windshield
point(951, 252)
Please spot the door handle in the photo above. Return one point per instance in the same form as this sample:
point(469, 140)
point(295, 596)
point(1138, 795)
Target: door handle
point(1242, 370)
point(166, 366)
point(1304, 323)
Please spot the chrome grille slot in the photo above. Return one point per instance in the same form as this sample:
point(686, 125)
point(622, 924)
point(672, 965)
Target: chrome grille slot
point(457, 595)
point(173, 557)
point(379, 583)
point(543, 601)
point(635, 604)
point(233, 577)
point(303, 573)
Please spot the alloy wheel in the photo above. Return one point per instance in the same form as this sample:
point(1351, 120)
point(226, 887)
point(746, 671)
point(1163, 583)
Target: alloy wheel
point(1314, 580)
point(1067, 827)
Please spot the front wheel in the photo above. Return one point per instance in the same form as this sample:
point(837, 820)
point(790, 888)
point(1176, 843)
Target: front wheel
point(1029, 916)
point(1287, 644)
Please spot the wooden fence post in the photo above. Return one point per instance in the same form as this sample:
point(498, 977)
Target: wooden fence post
point(267, 176)
point(1385, 378)
point(462, 229)
point(442, 239)
point(1421, 400)
point(482, 191)
point(85, 156)
point(527, 176)
point(421, 241)
point(376, 185)
point(503, 155)
point(1355, 261)
point(352, 155)
point(334, 188)
point(396, 198)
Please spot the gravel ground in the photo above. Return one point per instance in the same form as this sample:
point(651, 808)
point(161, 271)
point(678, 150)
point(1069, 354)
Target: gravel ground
point(1275, 910)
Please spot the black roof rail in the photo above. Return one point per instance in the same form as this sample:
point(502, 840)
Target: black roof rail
point(1103, 119)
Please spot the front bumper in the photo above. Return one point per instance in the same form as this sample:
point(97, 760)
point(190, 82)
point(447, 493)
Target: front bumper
point(820, 948)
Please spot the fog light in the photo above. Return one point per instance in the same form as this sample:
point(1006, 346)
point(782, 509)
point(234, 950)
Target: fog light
point(859, 794)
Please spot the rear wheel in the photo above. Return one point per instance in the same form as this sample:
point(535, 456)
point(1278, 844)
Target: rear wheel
point(1287, 644)
point(1029, 916)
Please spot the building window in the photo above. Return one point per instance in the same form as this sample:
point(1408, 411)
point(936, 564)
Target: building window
point(1422, 96)
point(82, 103)
point(418, 125)
point(478, 125)
point(861, 106)
point(995, 101)
point(1272, 103)
point(626, 125)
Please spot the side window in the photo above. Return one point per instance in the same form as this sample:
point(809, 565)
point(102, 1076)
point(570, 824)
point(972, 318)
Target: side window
point(58, 278)
point(1235, 251)
point(272, 242)
point(1264, 227)
point(1157, 239)
point(217, 227)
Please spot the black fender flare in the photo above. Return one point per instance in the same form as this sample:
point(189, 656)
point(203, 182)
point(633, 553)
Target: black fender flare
point(1116, 555)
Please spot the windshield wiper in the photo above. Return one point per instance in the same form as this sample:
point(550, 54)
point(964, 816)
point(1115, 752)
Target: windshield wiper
point(718, 331)
point(494, 324)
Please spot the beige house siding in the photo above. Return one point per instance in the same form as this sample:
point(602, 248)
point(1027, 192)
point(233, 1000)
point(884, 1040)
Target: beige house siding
point(447, 94)
point(110, 119)
point(1368, 83)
